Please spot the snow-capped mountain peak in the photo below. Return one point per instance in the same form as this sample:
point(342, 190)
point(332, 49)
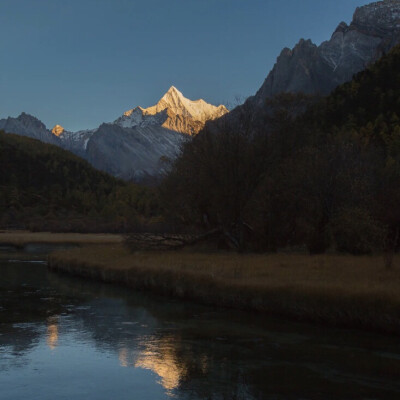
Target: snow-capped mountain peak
point(173, 98)
point(173, 111)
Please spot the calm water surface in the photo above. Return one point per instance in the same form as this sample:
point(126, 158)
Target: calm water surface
point(64, 338)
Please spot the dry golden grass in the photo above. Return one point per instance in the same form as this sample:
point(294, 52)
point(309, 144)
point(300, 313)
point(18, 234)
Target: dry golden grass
point(20, 238)
point(337, 289)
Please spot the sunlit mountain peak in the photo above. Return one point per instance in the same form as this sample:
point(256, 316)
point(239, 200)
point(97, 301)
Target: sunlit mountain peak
point(175, 112)
point(57, 130)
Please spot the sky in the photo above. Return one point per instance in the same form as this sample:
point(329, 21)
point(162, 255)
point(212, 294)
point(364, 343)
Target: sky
point(79, 63)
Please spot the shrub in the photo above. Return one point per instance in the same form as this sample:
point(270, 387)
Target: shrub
point(356, 232)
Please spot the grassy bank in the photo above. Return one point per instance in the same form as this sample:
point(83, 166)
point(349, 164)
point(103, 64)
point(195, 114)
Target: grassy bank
point(334, 289)
point(21, 238)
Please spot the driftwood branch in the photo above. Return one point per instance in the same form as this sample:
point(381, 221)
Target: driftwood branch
point(163, 241)
point(154, 241)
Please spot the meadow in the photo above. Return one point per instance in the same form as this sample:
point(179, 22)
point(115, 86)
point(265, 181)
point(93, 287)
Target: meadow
point(20, 238)
point(333, 289)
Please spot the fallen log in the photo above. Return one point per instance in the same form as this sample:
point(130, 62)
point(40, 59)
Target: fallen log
point(155, 241)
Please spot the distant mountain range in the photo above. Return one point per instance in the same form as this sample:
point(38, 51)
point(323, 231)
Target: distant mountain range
point(27, 125)
point(134, 146)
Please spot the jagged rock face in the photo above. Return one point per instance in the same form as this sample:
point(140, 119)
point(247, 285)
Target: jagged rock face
point(76, 141)
point(378, 18)
point(57, 130)
point(27, 125)
point(174, 112)
point(132, 153)
point(308, 68)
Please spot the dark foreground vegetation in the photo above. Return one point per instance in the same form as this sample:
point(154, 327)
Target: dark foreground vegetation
point(338, 290)
point(303, 171)
point(45, 188)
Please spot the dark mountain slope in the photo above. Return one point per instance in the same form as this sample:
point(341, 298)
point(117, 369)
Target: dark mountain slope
point(312, 69)
point(43, 186)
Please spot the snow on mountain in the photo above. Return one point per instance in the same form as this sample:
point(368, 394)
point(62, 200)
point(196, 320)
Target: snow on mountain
point(76, 141)
point(175, 112)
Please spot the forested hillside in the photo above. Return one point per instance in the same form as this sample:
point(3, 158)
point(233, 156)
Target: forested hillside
point(321, 173)
point(44, 187)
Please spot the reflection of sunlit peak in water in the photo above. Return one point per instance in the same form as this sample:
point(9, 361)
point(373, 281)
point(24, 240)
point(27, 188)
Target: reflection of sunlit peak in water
point(159, 357)
point(52, 332)
point(124, 359)
point(169, 373)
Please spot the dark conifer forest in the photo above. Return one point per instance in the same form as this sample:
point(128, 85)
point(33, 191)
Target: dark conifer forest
point(319, 173)
point(46, 188)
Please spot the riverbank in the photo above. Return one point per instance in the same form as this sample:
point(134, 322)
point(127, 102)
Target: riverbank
point(339, 290)
point(21, 238)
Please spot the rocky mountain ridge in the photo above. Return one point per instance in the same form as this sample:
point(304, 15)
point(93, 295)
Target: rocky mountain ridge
point(28, 125)
point(313, 69)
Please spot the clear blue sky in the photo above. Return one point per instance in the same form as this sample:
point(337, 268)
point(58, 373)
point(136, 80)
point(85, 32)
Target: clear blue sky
point(82, 62)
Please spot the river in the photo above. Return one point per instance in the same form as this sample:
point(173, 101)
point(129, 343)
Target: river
point(67, 338)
